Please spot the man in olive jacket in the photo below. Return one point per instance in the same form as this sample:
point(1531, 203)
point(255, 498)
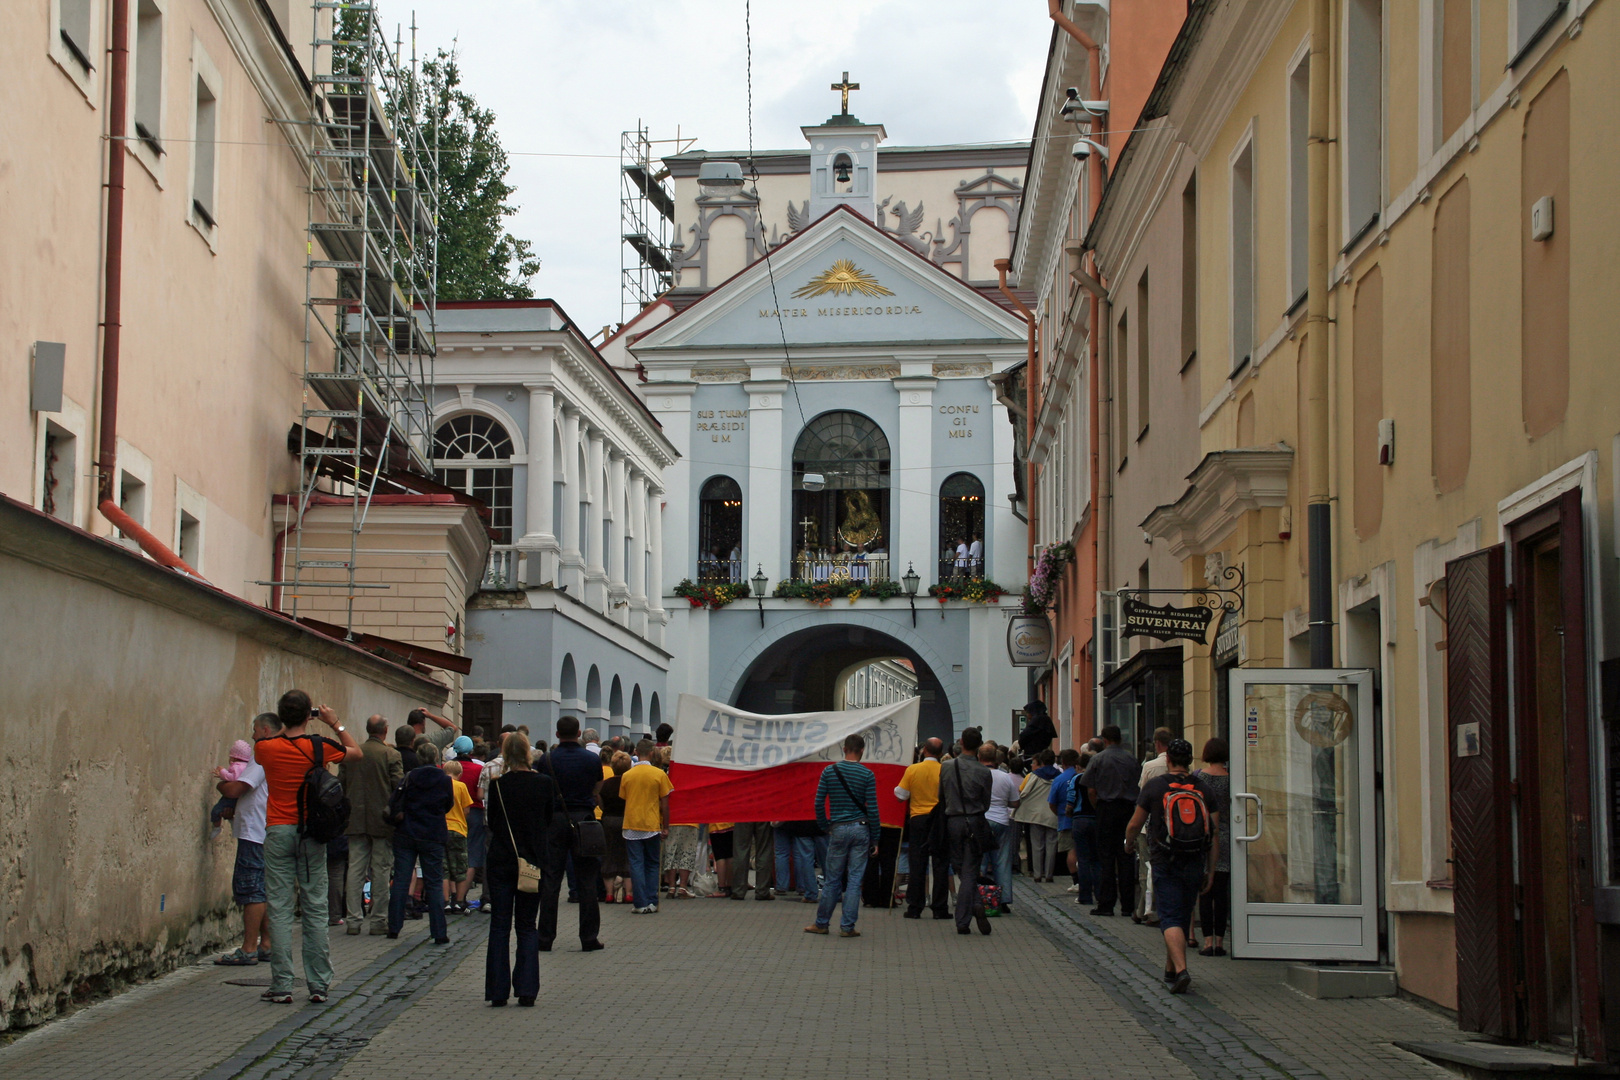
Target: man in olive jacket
point(368, 783)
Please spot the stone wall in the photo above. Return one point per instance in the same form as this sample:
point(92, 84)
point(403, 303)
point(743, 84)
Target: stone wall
point(121, 687)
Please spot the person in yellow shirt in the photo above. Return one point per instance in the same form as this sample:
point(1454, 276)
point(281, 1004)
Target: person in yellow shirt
point(455, 851)
point(645, 790)
point(919, 789)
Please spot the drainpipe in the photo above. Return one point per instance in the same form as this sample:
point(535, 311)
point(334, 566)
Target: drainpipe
point(1319, 511)
point(1032, 385)
point(111, 335)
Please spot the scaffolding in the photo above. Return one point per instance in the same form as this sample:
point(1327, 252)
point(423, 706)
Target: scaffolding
point(369, 300)
point(646, 211)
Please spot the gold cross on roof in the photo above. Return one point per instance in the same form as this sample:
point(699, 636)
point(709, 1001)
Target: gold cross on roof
point(845, 87)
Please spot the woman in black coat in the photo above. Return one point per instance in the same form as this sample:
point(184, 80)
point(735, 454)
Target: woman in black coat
point(518, 813)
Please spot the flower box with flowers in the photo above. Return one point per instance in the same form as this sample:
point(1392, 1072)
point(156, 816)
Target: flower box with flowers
point(973, 590)
point(713, 597)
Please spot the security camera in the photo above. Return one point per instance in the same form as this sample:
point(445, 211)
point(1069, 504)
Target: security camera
point(813, 481)
point(1084, 148)
point(1078, 110)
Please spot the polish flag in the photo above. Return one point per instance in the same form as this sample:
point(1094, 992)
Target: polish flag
point(734, 766)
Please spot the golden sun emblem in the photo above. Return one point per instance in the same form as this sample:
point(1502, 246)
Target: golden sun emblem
point(842, 277)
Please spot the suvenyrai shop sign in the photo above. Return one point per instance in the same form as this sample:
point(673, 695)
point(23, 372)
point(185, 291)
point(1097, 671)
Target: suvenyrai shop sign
point(1138, 619)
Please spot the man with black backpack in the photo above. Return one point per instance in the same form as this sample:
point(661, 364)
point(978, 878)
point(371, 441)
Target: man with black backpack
point(305, 809)
point(1178, 809)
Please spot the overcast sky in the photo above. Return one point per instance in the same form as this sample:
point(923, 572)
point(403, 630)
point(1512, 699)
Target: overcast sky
point(565, 77)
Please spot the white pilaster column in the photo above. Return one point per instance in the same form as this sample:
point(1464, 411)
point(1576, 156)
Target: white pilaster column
point(571, 560)
point(770, 479)
point(539, 530)
point(911, 466)
point(671, 402)
point(657, 617)
point(596, 577)
point(618, 590)
point(636, 571)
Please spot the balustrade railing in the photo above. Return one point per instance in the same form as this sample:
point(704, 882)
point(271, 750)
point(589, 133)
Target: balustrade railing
point(504, 569)
point(813, 566)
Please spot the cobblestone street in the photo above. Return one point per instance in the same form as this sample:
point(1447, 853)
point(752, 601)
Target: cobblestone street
point(715, 988)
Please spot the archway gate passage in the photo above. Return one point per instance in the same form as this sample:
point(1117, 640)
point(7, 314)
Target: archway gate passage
point(799, 670)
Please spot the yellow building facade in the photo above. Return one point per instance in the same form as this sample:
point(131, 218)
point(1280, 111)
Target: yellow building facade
point(1465, 291)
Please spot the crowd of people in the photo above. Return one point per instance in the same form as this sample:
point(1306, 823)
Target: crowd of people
point(437, 812)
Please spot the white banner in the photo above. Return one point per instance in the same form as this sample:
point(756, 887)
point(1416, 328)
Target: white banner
point(721, 737)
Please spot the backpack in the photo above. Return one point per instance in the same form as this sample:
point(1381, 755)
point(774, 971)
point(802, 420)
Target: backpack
point(1186, 818)
point(396, 802)
point(323, 808)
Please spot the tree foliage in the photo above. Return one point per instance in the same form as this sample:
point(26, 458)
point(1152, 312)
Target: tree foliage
point(478, 258)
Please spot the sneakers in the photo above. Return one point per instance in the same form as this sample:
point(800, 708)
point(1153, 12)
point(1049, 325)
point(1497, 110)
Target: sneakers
point(1182, 982)
point(238, 958)
point(1072, 888)
point(277, 997)
point(650, 909)
point(318, 997)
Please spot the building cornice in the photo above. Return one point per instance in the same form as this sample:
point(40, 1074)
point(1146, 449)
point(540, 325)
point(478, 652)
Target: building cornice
point(1226, 485)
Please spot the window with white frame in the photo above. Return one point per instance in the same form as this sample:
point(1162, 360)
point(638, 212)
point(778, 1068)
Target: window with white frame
point(132, 498)
point(148, 88)
point(473, 454)
point(75, 19)
point(58, 471)
point(1242, 278)
point(202, 210)
point(1363, 147)
point(1299, 130)
point(1531, 20)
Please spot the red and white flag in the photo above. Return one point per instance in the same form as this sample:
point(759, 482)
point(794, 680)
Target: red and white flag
point(732, 765)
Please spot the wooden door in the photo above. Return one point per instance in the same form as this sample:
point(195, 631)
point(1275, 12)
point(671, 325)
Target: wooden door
point(1556, 862)
point(1481, 786)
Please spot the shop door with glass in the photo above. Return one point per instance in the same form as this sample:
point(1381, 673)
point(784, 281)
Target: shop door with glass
point(1302, 826)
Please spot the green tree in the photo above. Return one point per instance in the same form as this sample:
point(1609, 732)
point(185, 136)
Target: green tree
point(478, 258)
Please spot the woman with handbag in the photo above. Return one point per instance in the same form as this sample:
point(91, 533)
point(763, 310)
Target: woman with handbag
point(521, 806)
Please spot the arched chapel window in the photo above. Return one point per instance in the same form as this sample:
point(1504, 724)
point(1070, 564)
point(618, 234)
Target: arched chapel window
point(473, 454)
point(720, 520)
point(841, 531)
point(961, 526)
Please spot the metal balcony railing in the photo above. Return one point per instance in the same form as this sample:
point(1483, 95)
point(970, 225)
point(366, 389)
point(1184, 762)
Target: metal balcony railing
point(814, 566)
point(720, 572)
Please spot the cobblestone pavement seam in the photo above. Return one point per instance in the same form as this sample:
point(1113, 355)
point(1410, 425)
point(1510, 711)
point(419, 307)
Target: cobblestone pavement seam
point(315, 1042)
point(1208, 1040)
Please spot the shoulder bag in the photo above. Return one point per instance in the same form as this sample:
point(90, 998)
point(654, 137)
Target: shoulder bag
point(586, 840)
point(528, 874)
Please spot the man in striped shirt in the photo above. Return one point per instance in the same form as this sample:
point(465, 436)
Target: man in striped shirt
point(846, 808)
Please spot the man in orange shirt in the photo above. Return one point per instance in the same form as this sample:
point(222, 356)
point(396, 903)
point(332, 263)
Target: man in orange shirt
point(919, 789)
point(294, 863)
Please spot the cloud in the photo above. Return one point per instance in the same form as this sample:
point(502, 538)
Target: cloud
point(565, 77)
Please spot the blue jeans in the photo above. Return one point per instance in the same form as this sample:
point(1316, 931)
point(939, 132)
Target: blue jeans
point(847, 849)
point(507, 906)
point(801, 852)
point(644, 859)
point(1085, 855)
point(998, 861)
point(407, 852)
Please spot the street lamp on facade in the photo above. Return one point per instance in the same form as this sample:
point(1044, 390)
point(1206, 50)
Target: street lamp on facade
point(910, 580)
point(759, 581)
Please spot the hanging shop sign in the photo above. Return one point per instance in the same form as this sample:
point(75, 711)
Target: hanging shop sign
point(1138, 619)
point(1029, 641)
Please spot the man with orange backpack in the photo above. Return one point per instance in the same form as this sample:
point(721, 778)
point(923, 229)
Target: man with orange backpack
point(1183, 829)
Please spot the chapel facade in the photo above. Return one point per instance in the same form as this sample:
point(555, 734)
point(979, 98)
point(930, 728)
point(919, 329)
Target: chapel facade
point(827, 363)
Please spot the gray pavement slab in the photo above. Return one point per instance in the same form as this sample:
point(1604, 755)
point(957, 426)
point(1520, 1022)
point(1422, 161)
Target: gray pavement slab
point(714, 988)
